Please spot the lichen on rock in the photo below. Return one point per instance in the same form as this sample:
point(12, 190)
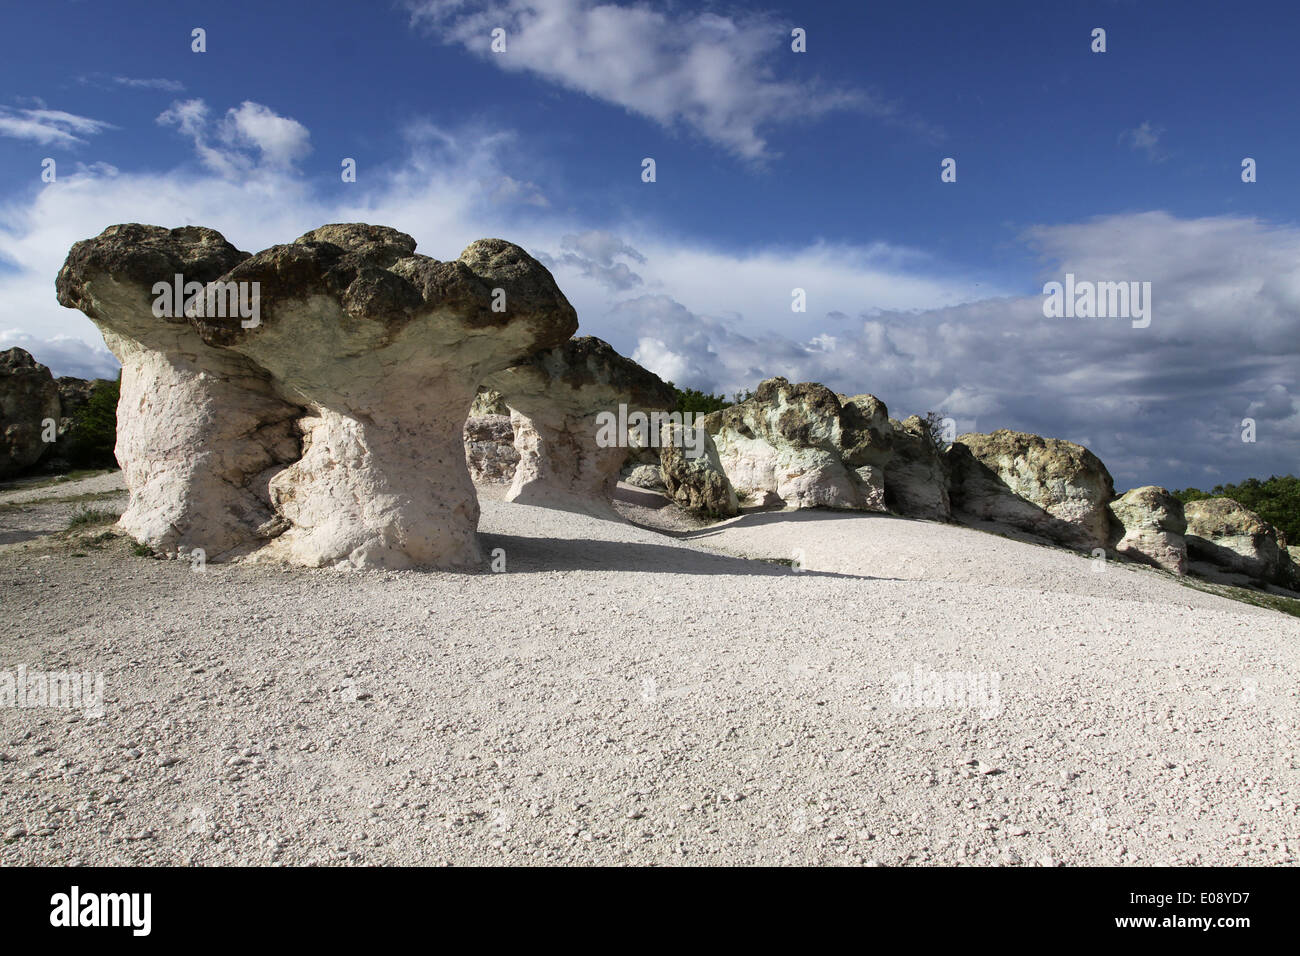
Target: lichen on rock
point(1152, 526)
point(1046, 486)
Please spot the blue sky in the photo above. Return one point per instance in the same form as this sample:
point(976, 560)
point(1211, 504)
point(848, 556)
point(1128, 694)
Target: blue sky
point(775, 170)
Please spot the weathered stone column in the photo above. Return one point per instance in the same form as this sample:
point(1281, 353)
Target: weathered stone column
point(386, 348)
point(200, 430)
point(556, 398)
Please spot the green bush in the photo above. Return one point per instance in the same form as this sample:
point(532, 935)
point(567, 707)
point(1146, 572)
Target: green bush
point(693, 400)
point(89, 440)
point(1276, 500)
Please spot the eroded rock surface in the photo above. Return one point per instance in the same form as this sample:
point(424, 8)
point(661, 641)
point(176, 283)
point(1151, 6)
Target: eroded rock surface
point(488, 401)
point(1224, 533)
point(1153, 525)
point(490, 448)
point(29, 398)
point(1047, 486)
point(556, 399)
point(386, 348)
point(915, 476)
point(332, 422)
point(803, 446)
point(200, 430)
point(74, 393)
point(697, 482)
point(785, 444)
point(650, 477)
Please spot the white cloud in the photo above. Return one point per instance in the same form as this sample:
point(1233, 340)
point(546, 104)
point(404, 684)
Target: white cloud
point(1162, 403)
point(506, 189)
point(251, 138)
point(106, 81)
point(1146, 139)
point(135, 83)
point(592, 254)
point(280, 141)
point(64, 354)
point(718, 75)
point(49, 127)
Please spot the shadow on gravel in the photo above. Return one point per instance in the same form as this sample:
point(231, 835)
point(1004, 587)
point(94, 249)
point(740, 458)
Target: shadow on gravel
point(756, 519)
point(583, 554)
point(16, 537)
point(641, 497)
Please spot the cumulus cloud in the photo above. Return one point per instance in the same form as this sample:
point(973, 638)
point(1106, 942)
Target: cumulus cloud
point(250, 138)
point(592, 254)
point(49, 127)
point(1164, 403)
point(716, 75)
point(64, 354)
point(1160, 404)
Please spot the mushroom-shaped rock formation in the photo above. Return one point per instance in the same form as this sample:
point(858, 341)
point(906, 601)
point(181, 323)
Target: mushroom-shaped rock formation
point(324, 412)
point(1153, 527)
point(560, 401)
point(200, 430)
point(1223, 532)
point(386, 349)
point(29, 398)
point(1046, 486)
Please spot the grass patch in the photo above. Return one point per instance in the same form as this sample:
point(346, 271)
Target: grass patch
point(141, 550)
point(1274, 602)
point(85, 517)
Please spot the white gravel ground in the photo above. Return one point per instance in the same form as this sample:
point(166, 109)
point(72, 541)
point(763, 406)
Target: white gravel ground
point(622, 696)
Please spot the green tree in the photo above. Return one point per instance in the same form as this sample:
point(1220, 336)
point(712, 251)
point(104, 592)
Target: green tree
point(1276, 500)
point(693, 400)
point(89, 440)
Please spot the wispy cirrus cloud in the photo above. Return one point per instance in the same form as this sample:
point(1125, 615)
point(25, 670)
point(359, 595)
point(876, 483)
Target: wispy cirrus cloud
point(49, 127)
point(117, 81)
point(1145, 138)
